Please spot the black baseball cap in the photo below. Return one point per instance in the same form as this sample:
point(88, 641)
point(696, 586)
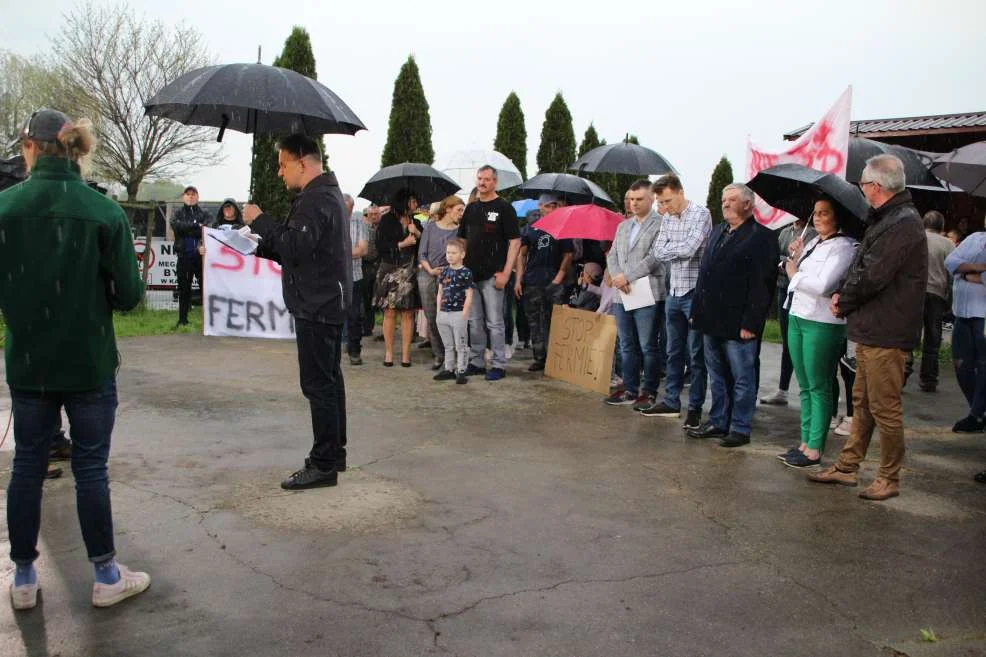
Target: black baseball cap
point(44, 125)
point(190, 188)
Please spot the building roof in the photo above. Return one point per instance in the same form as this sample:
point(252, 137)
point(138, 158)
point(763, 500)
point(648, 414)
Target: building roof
point(942, 123)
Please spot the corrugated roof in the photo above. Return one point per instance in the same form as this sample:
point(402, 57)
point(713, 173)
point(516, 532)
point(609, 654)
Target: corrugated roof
point(939, 122)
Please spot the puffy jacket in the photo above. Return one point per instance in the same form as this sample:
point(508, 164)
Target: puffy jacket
point(66, 261)
point(314, 250)
point(882, 295)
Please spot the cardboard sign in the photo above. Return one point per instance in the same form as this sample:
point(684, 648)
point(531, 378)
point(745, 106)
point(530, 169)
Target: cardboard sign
point(580, 348)
point(243, 296)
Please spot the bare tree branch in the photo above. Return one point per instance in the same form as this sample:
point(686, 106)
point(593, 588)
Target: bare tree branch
point(110, 61)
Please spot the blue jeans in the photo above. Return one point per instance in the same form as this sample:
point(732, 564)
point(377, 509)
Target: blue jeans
point(969, 355)
point(91, 416)
point(733, 377)
point(486, 314)
point(681, 334)
point(639, 328)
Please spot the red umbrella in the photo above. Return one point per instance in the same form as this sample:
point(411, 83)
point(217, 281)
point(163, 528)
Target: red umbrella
point(588, 222)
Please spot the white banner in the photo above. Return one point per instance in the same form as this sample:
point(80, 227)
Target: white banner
point(242, 295)
point(824, 147)
point(163, 274)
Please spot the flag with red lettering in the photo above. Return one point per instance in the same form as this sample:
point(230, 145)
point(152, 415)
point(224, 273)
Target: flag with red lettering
point(242, 295)
point(824, 147)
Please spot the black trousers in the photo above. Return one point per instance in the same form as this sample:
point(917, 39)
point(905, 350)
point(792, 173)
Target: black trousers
point(934, 311)
point(354, 321)
point(189, 266)
point(319, 359)
point(369, 312)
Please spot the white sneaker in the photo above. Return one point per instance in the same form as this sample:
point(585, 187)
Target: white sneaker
point(845, 427)
point(509, 349)
point(779, 398)
point(130, 584)
point(836, 421)
point(24, 596)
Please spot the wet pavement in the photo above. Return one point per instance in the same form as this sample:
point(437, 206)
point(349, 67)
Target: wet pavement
point(521, 517)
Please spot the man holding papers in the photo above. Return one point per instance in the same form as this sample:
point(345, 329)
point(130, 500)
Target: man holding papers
point(639, 306)
point(736, 284)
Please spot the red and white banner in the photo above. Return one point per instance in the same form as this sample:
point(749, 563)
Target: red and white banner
point(243, 296)
point(824, 147)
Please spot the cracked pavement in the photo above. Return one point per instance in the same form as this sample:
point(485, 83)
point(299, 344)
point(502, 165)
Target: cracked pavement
point(517, 518)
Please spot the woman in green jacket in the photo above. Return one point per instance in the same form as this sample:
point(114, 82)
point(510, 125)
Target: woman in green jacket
point(66, 262)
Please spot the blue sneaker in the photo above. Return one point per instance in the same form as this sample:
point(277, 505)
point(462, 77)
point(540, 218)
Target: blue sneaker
point(495, 374)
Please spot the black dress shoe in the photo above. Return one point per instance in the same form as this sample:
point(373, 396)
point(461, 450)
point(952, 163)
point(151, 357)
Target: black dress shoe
point(735, 440)
point(707, 430)
point(536, 366)
point(310, 477)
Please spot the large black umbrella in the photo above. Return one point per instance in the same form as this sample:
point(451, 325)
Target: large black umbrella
point(425, 182)
point(573, 189)
point(916, 163)
point(624, 157)
point(965, 168)
point(794, 188)
point(254, 98)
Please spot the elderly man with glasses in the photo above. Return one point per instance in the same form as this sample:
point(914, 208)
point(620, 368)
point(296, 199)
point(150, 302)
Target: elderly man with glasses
point(882, 299)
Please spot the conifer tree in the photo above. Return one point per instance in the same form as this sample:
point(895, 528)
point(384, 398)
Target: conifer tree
point(409, 131)
point(557, 149)
point(511, 134)
point(722, 175)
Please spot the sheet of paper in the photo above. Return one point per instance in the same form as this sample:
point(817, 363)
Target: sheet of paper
point(640, 295)
point(235, 241)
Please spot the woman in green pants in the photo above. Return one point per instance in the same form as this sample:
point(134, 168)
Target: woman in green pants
point(815, 336)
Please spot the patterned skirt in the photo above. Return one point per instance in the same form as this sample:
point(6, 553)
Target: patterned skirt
point(396, 287)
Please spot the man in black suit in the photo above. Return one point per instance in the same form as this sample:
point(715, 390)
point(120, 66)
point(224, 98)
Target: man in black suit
point(736, 284)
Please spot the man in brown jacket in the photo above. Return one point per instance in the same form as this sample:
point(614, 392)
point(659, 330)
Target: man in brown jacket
point(882, 298)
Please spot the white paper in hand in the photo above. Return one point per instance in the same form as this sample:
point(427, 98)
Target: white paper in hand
point(640, 295)
point(235, 240)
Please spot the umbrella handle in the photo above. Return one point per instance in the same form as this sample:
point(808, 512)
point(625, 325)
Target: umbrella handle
point(222, 128)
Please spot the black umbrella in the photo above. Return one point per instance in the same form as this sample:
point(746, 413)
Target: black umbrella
point(624, 157)
point(573, 189)
point(916, 163)
point(964, 167)
point(254, 98)
point(795, 188)
point(425, 182)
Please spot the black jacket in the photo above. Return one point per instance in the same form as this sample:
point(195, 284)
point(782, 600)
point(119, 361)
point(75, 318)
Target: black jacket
point(314, 250)
point(220, 221)
point(737, 281)
point(882, 295)
point(187, 223)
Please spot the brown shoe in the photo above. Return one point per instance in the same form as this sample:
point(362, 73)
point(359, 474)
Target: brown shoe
point(880, 489)
point(831, 475)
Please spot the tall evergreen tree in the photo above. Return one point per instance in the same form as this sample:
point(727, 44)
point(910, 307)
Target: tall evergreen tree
point(409, 132)
point(590, 140)
point(266, 188)
point(722, 175)
point(619, 183)
point(511, 134)
point(557, 150)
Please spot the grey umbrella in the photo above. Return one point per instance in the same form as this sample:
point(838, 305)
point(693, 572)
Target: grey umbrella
point(624, 157)
point(575, 190)
point(425, 182)
point(254, 98)
point(964, 167)
point(917, 164)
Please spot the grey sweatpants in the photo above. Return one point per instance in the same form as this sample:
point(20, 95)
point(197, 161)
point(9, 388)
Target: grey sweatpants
point(454, 329)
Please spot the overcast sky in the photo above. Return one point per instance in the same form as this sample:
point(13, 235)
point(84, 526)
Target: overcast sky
point(692, 79)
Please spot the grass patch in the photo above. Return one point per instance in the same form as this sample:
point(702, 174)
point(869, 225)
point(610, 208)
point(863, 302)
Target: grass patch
point(137, 323)
point(772, 331)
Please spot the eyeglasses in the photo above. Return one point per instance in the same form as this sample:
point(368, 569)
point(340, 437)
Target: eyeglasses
point(864, 183)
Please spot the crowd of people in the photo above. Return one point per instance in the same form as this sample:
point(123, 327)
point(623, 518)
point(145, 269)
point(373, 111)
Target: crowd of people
point(701, 298)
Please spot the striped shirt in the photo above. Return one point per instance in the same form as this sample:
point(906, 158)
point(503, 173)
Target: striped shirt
point(358, 232)
point(681, 243)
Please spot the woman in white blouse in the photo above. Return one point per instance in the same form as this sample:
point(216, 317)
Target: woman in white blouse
point(816, 338)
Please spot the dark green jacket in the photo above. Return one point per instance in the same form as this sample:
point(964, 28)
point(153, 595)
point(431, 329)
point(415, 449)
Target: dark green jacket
point(66, 262)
